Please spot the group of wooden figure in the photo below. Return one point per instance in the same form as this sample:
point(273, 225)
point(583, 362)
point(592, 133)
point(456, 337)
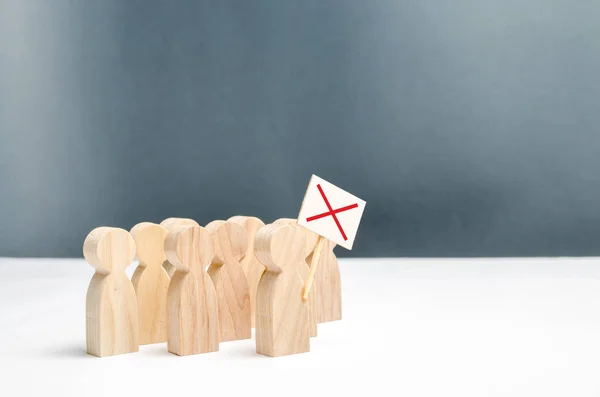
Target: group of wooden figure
point(196, 287)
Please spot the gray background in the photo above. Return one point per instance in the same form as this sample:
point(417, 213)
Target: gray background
point(470, 127)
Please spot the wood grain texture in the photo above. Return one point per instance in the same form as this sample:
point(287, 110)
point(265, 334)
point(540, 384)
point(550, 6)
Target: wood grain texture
point(282, 319)
point(112, 325)
point(327, 282)
point(151, 281)
point(230, 282)
point(313, 298)
point(329, 287)
point(171, 224)
point(192, 308)
point(251, 266)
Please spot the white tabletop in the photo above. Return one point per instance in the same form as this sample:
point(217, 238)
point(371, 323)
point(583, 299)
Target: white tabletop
point(454, 327)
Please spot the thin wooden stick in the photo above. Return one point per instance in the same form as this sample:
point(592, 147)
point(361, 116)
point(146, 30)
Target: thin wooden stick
point(313, 268)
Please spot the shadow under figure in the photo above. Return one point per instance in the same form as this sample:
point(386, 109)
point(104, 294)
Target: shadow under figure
point(71, 351)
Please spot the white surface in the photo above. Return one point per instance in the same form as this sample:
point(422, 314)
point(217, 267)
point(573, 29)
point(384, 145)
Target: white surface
point(411, 328)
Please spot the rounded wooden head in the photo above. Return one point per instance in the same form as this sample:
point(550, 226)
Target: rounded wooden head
point(189, 248)
point(311, 237)
point(231, 241)
point(286, 221)
point(280, 246)
point(251, 224)
point(149, 242)
point(108, 249)
point(171, 223)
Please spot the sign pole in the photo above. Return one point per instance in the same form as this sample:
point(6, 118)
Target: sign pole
point(313, 267)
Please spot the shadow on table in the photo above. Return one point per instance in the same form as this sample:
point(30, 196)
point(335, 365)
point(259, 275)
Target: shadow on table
point(237, 349)
point(67, 351)
point(244, 352)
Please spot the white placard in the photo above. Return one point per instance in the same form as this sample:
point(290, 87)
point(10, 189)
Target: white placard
point(331, 212)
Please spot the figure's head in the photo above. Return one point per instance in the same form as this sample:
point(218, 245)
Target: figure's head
point(189, 248)
point(171, 223)
point(280, 247)
point(109, 249)
point(149, 242)
point(311, 237)
point(231, 241)
point(251, 224)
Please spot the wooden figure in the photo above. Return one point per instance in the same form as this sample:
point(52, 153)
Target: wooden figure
point(313, 297)
point(329, 286)
point(282, 324)
point(111, 306)
point(233, 294)
point(192, 311)
point(151, 281)
point(170, 224)
point(252, 267)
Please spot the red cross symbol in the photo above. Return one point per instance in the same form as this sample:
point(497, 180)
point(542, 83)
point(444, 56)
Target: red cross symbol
point(331, 212)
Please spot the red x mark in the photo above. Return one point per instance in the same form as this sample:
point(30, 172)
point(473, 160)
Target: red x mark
point(331, 212)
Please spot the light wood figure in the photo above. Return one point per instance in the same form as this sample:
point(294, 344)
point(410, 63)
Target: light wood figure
point(229, 279)
point(252, 267)
point(329, 287)
point(282, 324)
point(151, 282)
point(171, 224)
point(313, 298)
point(111, 307)
point(192, 311)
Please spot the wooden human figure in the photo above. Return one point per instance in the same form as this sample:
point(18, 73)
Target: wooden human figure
point(170, 224)
point(329, 287)
point(282, 324)
point(251, 266)
point(192, 311)
point(112, 325)
point(151, 282)
point(233, 294)
point(313, 298)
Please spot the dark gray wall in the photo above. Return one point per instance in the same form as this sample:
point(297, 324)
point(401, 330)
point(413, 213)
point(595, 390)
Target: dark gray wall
point(470, 127)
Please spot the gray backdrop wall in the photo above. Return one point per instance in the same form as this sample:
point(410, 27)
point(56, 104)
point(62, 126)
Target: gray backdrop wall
point(470, 127)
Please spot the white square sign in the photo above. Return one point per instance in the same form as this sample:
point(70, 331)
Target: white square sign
point(331, 212)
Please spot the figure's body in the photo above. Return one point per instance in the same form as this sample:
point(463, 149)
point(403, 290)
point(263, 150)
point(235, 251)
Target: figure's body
point(329, 287)
point(151, 282)
point(251, 266)
point(313, 297)
point(282, 320)
point(112, 325)
point(233, 294)
point(192, 311)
